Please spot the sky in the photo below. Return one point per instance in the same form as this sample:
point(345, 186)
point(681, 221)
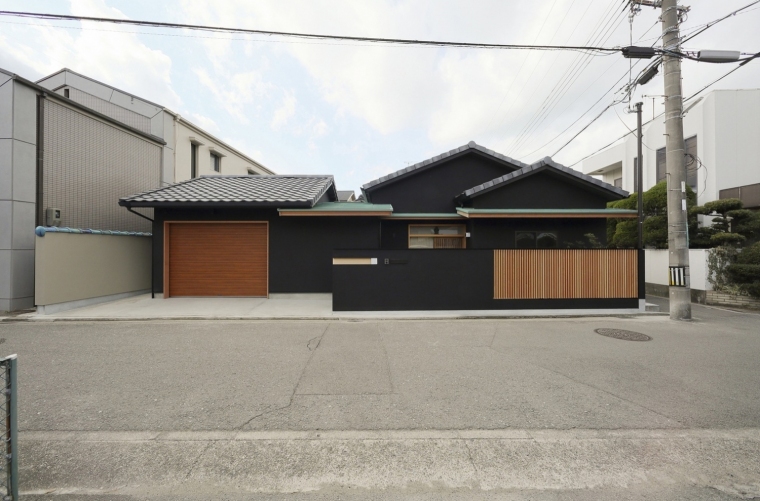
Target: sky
point(361, 110)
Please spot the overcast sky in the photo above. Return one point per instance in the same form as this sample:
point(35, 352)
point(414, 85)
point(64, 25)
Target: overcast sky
point(359, 111)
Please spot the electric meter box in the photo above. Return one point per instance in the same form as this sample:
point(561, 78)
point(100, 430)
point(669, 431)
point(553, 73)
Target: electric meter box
point(52, 217)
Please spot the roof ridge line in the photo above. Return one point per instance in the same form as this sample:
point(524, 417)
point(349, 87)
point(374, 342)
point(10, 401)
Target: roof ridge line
point(470, 145)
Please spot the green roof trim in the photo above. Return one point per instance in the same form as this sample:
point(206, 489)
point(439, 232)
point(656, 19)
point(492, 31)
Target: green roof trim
point(425, 215)
point(468, 211)
point(342, 207)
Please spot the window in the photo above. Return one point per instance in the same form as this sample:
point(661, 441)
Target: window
point(536, 239)
point(430, 236)
point(661, 170)
point(65, 92)
point(216, 163)
point(618, 182)
point(692, 165)
point(252, 172)
point(193, 160)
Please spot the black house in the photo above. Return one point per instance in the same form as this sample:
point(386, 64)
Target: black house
point(468, 229)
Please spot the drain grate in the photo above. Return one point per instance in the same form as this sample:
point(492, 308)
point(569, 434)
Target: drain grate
point(623, 334)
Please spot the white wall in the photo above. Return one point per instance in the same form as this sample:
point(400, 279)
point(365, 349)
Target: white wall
point(656, 268)
point(233, 162)
point(727, 126)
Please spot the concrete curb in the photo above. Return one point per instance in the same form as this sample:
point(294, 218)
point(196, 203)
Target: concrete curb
point(335, 319)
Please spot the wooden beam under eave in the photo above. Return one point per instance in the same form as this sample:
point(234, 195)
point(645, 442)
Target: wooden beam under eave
point(550, 216)
point(334, 213)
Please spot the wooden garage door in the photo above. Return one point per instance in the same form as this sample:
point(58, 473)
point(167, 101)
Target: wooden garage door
point(215, 259)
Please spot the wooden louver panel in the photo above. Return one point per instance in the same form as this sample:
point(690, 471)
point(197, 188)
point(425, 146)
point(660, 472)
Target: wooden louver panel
point(565, 274)
point(216, 259)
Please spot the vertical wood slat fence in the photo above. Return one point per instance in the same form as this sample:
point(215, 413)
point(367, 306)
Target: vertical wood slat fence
point(565, 274)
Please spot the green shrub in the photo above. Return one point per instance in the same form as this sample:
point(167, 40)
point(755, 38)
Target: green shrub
point(743, 273)
point(723, 206)
point(753, 289)
point(749, 254)
point(727, 239)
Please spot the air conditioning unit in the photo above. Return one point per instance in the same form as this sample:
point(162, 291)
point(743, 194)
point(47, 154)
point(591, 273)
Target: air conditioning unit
point(52, 217)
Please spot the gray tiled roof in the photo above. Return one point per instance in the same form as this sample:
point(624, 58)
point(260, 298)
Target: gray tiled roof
point(253, 190)
point(540, 165)
point(472, 145)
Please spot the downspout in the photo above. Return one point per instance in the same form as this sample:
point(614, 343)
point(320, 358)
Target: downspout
point(152, 247)
point(177, 118)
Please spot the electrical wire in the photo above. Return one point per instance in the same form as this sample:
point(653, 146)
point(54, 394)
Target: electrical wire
point(649, 121)
point(713, 23)
point(567, 80)
point(525, 59)
point(313, 36)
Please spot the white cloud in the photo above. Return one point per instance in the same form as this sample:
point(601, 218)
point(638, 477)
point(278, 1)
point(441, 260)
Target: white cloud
point(319, 128)
point(114, 57)
point(233, 91)
point(284, 112)
point(203, 121)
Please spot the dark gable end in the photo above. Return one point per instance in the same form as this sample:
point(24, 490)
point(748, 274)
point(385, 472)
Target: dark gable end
point(543, 185)
point(432, 186)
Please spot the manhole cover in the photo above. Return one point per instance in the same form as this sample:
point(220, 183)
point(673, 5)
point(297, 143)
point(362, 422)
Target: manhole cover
point(623, 334)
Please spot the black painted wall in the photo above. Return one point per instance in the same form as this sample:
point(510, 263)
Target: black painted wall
point(434, 280)
point(543, 190)
point(300, 248)
point(500, 233)
point(434, 189)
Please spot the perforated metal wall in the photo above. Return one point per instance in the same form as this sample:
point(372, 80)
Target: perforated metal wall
point(88, 165)
point(123, 115)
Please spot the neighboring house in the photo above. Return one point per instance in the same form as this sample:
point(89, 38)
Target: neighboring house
point(75, 145)
point(481, 219)
point(189, 150)
point(721, 131)
point(346, 196)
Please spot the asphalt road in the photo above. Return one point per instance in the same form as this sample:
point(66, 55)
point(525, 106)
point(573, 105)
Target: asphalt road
point(481, 409)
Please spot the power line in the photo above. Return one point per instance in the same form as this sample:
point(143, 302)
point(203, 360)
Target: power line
point(564, 85)
point(314, 36)
point(713, 23)
point(599, 100)
point(706, 26)
point(519, 71)
point(649, 121)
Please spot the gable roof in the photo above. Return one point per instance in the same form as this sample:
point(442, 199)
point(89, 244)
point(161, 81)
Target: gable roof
point(542, 165)
point(430, 162)
point(227, 191)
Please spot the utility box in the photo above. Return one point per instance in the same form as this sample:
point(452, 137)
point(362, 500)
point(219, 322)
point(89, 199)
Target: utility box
point(52, 217)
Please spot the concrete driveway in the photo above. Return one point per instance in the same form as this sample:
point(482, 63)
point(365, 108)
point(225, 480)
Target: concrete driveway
point(277, 306)
point(466, 409)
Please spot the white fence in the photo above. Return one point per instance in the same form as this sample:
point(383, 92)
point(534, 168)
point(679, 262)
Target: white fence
point(657, 268)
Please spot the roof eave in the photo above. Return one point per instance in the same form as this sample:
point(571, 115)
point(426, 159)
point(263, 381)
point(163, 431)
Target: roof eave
point(215, 205)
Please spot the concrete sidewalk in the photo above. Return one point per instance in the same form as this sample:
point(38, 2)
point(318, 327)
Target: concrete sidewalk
point(361, 410)
point(280, 306)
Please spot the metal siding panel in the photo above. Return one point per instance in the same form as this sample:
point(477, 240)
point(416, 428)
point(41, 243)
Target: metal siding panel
point(88, 165)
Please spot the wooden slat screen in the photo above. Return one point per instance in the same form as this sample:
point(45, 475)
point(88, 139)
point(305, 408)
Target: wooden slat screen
point(216, 259)
point(565, 274)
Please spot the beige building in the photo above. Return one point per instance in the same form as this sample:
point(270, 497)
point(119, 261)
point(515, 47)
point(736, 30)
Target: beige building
point(70, 147)
point(189, 150)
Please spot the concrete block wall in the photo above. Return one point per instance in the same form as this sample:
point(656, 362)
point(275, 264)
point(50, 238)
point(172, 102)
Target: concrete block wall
point(18, 144)
point(723, 299)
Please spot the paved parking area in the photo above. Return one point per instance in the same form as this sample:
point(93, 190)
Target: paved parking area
point(380, 409)
point(277, 306)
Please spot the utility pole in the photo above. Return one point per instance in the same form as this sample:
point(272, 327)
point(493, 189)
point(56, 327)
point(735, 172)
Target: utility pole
point(678, 244)
point(639, 183)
